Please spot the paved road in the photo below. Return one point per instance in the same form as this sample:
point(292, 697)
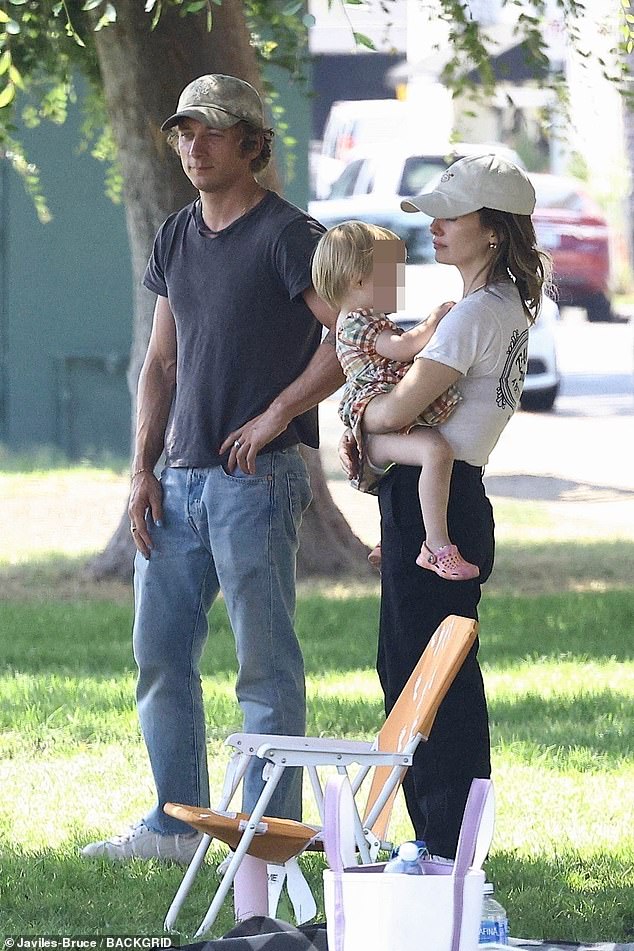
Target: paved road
point(589, 438)
point(579, 454)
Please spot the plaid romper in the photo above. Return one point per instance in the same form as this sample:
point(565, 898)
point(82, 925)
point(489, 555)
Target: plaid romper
point(368, 374)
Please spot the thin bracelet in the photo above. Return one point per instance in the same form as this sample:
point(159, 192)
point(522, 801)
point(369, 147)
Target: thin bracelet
point(138, 472)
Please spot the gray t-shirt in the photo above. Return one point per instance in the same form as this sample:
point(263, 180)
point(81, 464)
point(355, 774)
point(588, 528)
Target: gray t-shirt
point(485, 337)
point(243, 330)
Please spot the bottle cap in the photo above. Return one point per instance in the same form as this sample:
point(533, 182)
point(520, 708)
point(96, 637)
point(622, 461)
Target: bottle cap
point(488, 888)
point(408, 852)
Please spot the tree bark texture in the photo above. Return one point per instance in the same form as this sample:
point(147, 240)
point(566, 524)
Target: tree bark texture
point(143, 72)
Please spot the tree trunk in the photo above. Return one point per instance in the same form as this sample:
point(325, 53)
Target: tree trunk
point(328, 548)
point(143, 72)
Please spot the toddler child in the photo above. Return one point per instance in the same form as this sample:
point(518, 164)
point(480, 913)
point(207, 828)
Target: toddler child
point(355, 269)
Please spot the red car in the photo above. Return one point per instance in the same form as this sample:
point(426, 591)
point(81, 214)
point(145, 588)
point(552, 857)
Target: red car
point(570, 225)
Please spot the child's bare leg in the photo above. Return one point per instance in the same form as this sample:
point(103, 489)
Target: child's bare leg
point(425, 447)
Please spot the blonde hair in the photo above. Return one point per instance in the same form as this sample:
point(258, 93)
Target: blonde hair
point(343, 257)
point(518, 255)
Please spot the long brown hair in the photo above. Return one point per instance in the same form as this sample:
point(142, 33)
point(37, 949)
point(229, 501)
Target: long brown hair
point(518, 256)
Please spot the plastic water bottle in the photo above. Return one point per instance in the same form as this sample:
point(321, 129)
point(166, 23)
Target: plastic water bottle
point(494, 927)
point(406, 861)
point(423, 851)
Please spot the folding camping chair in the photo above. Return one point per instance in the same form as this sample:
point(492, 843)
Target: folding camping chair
point(280, 840)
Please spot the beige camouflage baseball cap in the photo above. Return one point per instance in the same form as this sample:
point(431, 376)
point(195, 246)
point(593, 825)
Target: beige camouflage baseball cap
point(218, 101)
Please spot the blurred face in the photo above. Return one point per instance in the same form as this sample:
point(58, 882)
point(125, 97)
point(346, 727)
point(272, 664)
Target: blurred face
point(211, 158)
point(388, 276)
point(463, 242)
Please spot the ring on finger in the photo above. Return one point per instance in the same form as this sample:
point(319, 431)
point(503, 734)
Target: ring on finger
point(237, 444)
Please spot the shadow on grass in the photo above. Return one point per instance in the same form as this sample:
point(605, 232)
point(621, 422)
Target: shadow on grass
point(586, 732)
point(552, 488)
point(57, 892)
point(337, 635)
point(583, 732)
point(539, 568)
point(567, 898)
point(577, 626)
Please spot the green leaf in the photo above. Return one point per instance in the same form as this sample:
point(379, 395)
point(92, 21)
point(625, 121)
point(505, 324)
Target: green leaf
point(195, 6)
point(16, 77)
point(110, 14)
point(7, 95)
point(362, 40)
point(149, 5)
point(292, 8)
point(5, 62)
point(12, 27)
point(91, 4)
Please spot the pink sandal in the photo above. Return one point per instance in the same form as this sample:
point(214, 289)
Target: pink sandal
point(448, 563)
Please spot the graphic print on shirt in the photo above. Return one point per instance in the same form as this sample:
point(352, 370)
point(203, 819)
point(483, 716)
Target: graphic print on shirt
point(511, 382)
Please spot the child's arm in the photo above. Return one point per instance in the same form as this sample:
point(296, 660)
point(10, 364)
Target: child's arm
point(404, 347)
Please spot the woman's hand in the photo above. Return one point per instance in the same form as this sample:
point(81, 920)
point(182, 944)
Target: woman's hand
point(349, 454)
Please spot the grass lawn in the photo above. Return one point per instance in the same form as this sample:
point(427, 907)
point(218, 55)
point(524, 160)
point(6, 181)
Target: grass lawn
point(559, 670)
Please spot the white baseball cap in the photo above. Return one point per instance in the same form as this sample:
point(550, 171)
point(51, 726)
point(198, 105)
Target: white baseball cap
point(474, 182)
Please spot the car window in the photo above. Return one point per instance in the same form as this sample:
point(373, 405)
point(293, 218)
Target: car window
point(343, 186)
point(365, 187)
point(418, 170)
point(413, 229)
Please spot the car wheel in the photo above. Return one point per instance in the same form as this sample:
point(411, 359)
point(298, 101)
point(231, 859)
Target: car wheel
point(539, 401)
point(598, 308)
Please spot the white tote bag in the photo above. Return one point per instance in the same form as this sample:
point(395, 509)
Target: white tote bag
point(441, 910)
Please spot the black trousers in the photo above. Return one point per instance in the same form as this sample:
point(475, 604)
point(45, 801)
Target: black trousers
point(413, 603)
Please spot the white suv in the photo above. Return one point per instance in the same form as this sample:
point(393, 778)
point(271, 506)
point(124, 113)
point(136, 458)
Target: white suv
point(399, 171)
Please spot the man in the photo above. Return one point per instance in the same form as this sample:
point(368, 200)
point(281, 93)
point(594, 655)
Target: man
point(233, 373)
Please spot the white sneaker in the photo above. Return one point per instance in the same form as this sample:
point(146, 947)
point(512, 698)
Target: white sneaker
point(139, 842)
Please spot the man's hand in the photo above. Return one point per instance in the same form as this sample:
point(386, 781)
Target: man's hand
point(146, 496)
point(349, 454)
point(246, 441)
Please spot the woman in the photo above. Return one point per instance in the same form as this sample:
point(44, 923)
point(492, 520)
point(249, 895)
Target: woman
point(481, 208)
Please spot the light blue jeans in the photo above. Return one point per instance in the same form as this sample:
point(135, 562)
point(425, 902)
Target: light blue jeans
point(238, 534)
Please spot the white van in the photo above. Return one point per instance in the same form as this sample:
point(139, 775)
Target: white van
point(366, 135)
point(363, 124)
point(355, 127)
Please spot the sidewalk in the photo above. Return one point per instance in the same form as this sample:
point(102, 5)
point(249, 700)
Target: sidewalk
point(534, 462)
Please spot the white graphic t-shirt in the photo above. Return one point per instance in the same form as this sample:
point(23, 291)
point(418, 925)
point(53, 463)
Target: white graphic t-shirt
point(485, 337)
